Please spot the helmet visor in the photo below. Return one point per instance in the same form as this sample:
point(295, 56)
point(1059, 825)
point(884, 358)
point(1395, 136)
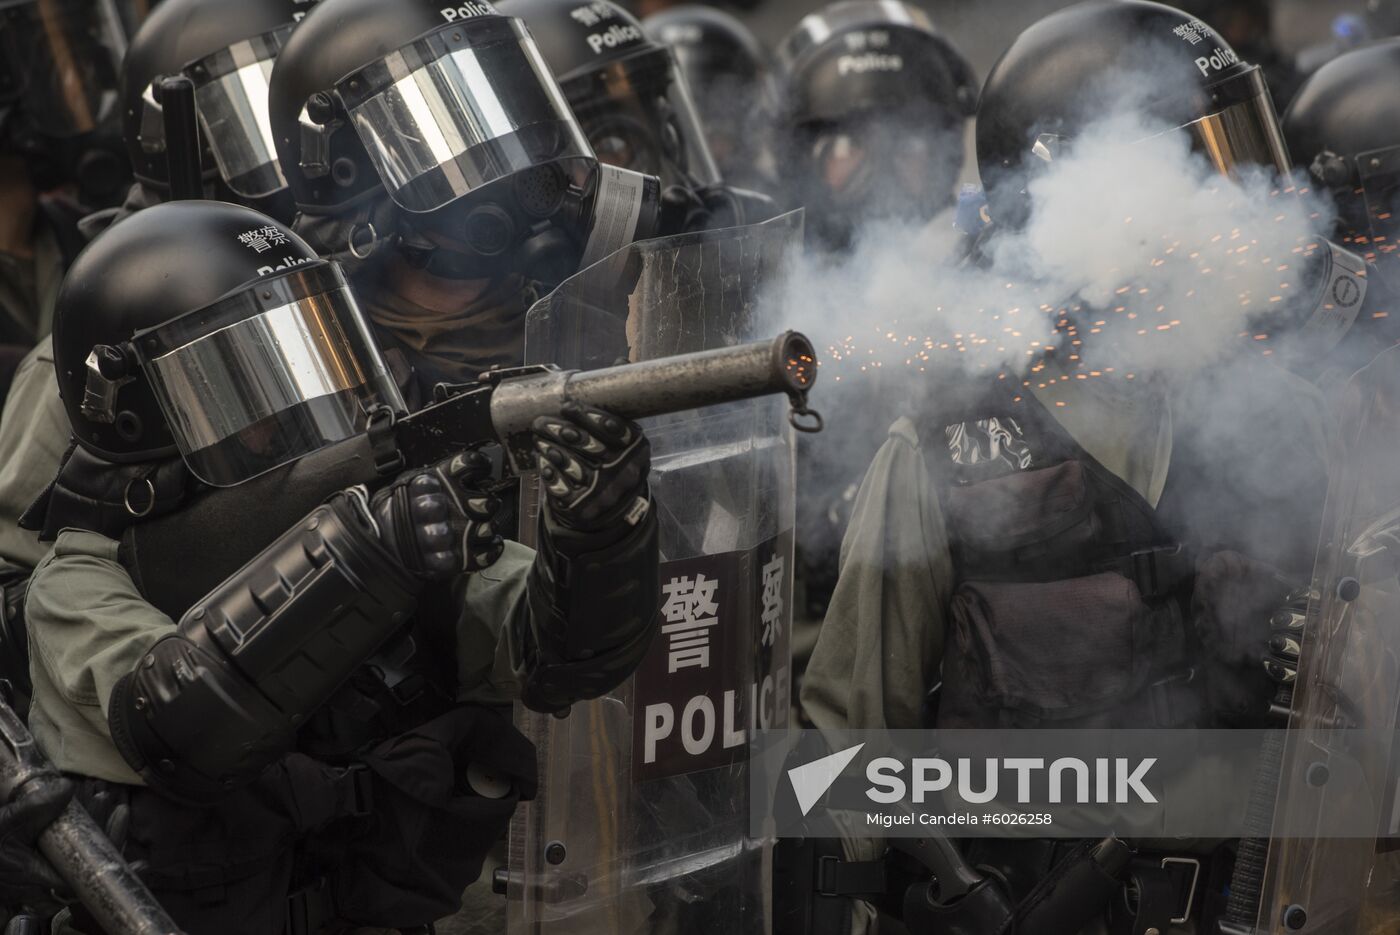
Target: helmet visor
point(60, 60)
point(267, 375)
point(1244, 131)
point(231, 97)
point(639, 115)
point(458, 109)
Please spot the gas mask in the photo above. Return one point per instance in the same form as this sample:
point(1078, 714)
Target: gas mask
point(474, 143)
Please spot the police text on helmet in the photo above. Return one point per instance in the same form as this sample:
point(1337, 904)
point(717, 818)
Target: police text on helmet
point(871, 61)
point(617, 34)
point(1220, 60)
point(466, 11)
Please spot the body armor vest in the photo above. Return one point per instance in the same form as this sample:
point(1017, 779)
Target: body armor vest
point(1068, 609)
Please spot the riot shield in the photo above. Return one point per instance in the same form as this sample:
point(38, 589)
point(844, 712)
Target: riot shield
point(642, 817)
point(1333, 865)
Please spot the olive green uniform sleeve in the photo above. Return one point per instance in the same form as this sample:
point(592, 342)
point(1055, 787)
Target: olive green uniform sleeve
point(88, 627)
point(34, 433)
point(494, 613)
point(882, 638)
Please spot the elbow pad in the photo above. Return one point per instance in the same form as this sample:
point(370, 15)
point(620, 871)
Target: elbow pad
point(593, 610)
point(211, 705)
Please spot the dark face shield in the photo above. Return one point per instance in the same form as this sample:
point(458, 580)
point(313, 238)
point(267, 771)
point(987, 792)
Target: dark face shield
point(267, 375)
point(60, 61)
point(638, 115)
point(231, 97)
point(460, 108)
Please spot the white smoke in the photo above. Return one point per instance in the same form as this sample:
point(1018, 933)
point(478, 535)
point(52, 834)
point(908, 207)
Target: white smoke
point(1139, 261)
point(1135, 246)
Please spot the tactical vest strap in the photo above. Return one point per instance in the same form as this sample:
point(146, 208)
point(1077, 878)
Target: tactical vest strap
point(1158, 571)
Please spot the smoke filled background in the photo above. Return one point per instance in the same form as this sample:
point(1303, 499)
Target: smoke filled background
point(982, 29)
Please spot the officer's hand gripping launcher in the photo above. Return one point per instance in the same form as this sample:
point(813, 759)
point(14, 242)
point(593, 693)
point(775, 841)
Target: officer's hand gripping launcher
point(272, 624)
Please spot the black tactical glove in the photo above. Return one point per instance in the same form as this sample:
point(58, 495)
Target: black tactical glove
point(594, 466)
point(1236, 613)
point(437, 521)
point(1286, 637)
point(26, 877)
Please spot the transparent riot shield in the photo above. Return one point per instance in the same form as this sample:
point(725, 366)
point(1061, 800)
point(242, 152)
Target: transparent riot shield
point(1333, 864)
point(642, 816)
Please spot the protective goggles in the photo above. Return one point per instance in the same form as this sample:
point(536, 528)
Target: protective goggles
point(231, 97)
point(264, 376)
point(461, 107)
point(60, 60)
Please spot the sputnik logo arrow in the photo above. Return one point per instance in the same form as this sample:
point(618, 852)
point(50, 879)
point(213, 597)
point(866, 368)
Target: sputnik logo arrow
point(811, 780)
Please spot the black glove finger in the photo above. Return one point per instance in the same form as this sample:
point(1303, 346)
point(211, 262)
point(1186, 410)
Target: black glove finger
point(1288, 619)
point(556, 464)
point(570, 435)
point(481, 508)
point(1279, 672)
point(434, 537)
point(25, 817)
point(469, 469)
point(117, 825)
point(1285, 648)
point(442, 563)
point(482, 554)
point(612, 430)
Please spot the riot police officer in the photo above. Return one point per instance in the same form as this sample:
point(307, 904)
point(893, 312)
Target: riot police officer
point(873, 106)
point(228, 53)
point(726, 68)
point(59, 153)
point(245, 762)
point(1181, 531)
point(636, 108)
point(451, 228)
point(1339, 134)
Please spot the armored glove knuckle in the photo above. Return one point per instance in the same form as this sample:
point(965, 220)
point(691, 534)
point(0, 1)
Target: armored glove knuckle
point(1285, 643)
point(594, 467)
point(437, 522)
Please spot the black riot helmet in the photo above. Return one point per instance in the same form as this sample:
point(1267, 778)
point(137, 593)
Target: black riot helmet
point(627, 91)
point(874, 104)
point(726, 68)
point(227, 50)
point(211, 329)
point(1078, 65)
point(452, 111)
point(134, 13)
point(1344, 129)
point(59, 65)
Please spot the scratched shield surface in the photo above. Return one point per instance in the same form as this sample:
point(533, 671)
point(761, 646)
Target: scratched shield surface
point(641, 824)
